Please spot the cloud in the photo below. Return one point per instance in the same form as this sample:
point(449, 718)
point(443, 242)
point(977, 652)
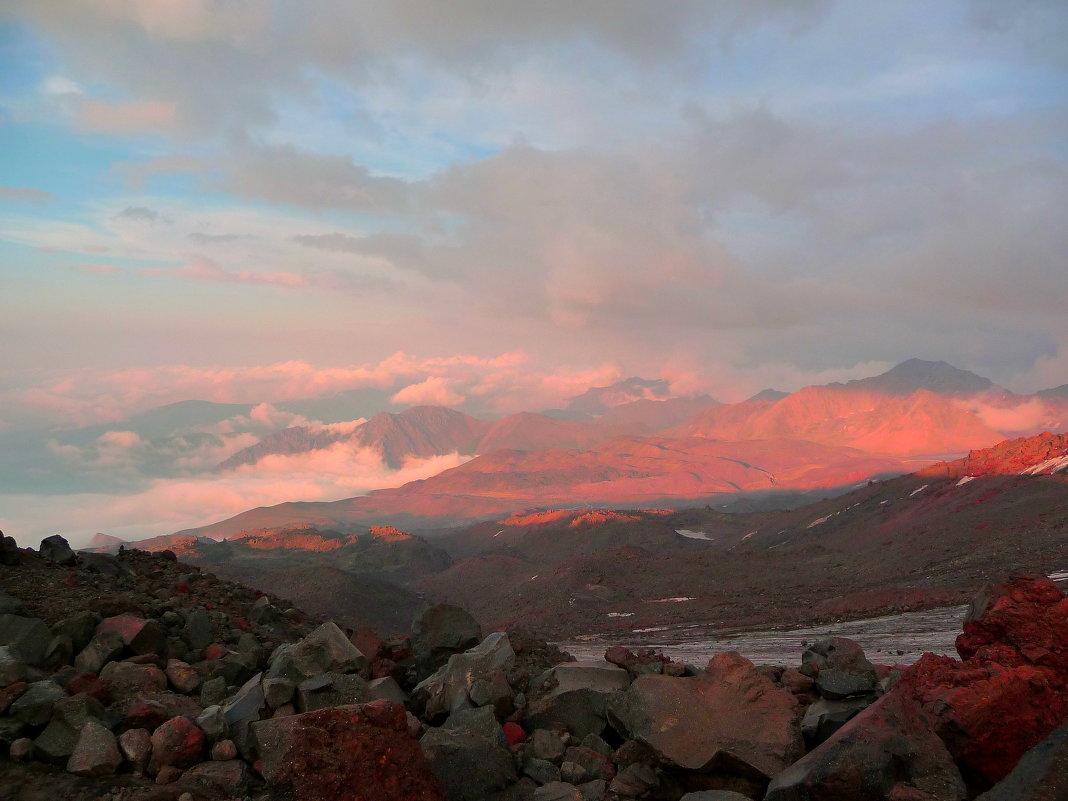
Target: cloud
point(209, 239)
point(138, 213)
point(433, 391)
point(97, 269)
point(26, 194)
point(204, 270)
point(127, 118)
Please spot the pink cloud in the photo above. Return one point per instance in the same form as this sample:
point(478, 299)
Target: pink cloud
point(98, 269)
point(207, 271)
point(127, 117)
point(434, 391)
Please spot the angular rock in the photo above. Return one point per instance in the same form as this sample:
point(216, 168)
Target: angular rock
point(27, 637)
point(34, 707)
point(21, 749)
point(212, 721)
point(885, 753)
point(90, 684)
point(470, 755)
point(139, 635)
point(263, 612)
point(11, 694)
point(541, 771)
point(558, 791)
point(594, 765)
point(96, 753)
point(581, 712)
point(448, 689)
point(136, 747)
point(278, 692)
point(56, 549)
point(635, 780)
point(593, 791)
point(493, 690)
point(593, 674)
point(9, 551)
point(182, 676)
point(730, 715)
point(441, 631)
point(197, 631)
point(241, 711)
point(231, 777)
point(825, 717)
point(387, 689)
point(69, 715)
point(345, 752)
point(842, 670)
point(177, 743)
point(12, 668)
point(103, 648)
point(127, 679)
point(331, 689)
point(60, 652)
point(325, 650)
point(1042, 774)
point(10, 605)
point(223, 750)
point(213, 691)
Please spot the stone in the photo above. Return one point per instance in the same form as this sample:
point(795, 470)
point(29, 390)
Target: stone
point(127, 679)
point(69, 715)
point(885, 753)
point(9, 551)
point(60, 652)
point(11, 729)
point(470, 755)
point(558, 791)
point(57, 550)
point(595, 743)
point(103, 564)
point(103, 648)
point(231, 777)
point(96, 753)
point(448, 689)
point(547, 744)
point(212, 721)
point(11, 694)
point(841, 668)
point(21, 749)
point(634, 780)
point(168, 774)
point(241, 711)
point(594, 765)
point(34, 707)
point(644, 662)
point(26, 637)
point(795, 681)
point(580, 712)
point(224, 749)
point(325, 650)
point(493, 690)
point(213, 691)
point(331, 689)
point(177, 743)
point(197, 631)
point(362, 751)
point(12, 668)
point(136, 747)
point(541, 770)
point(263, 612)
point(141, 636)
point(387, 689)
point(595, 674)
point(278, 692)
point(441, 631)
point(732, 714)
point(824, 717)
point(593, 791)
point(182, 676)
point(1041, 775)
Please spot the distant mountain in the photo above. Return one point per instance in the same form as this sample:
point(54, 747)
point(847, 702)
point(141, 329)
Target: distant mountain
point(1054, 392)
point(650, 416)
point(528, 431)
point(769, 395)
point(598, 400)
point(162, 421)
point(1045, 454)
point(422, 432)
point(104, 543)
point(918, 424)
point(915, 374)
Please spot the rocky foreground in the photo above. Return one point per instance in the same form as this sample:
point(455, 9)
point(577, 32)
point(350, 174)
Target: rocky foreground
point(136, 677)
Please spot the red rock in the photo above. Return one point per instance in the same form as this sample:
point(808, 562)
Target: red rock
point(140, 636)
point(224, 749)
point(346, 752)
point(127, 679)
point(144, 714)
point(168, 774)
point(514, 733)
point(91, 685)
point(214, 651)
point(178, 742)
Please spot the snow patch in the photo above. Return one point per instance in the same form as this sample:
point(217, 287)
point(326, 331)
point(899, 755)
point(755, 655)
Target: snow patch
point(1060, 575)
point(918, 491)
point(693, 535)
point(669, 600)
point(534, 577)
point(747, 536)
point(1049, 466)
point(964, 481)
point(620, 614)
point(820, 520)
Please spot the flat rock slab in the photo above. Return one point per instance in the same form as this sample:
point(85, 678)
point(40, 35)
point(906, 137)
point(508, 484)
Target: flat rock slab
point(592, 674)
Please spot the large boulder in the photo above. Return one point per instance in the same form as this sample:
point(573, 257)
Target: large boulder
point(345, 752)
point(1042, 774)
point(732, 717)
point(103, 648)
point(325, 650)
point(840, 667)
point(441, 631)
point(139, 635)
point(178, 742)
point(448, 689)
point(9, 551)
point(593, 674)
point(331, 689)
point(27, 637)
point(34, 707)
point(126, 680)
point(56, 549)
point(80, 627)
point(242, 710)
point(69, 716)
point(96, 753)
point(470, 755)
point(825, 717)
point(580, 712)
point(886, 753)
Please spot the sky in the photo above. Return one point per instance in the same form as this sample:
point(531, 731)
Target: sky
point(255, 200)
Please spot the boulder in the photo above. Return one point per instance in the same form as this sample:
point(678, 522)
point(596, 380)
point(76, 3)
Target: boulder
point(825, 717)
point(126, 680)
point(541, 771)
point(197, 631)
point(231, 777)
point(136, 746)
point(27, 637)
point(263, 612)
point(69, 716)
point(730, 716)
point(1042, 774)
point(448, 689)
point(635, 781)
point(102, 649)
point(345, 752)
point(34, 707)
point(212, 721)
point(841, 669)
point(387, 689)
point(598, 675)
point(57, 550)
point(558, 791)
point(241, 711)
point(278, 692)
point(12, 668)
point(470, 755)
point(643, 663)
point(325, 650)
point(493, 690)
point(580, 712)
point(331, 689)
point(441, 631)
point(59, 652)
point(885, 753)
point(182, 676)
point(177, 743)
point(139, 635)
point(9, 551)
point(96, 753)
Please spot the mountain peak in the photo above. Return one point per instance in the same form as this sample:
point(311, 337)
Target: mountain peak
point(910, 375)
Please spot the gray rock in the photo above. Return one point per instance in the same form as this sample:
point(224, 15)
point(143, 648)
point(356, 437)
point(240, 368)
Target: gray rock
point(837, 684)
point(60, 651)
point(12, 668)
point(388, 689)
point(104, 564)
point(573, 772)
point(494, 691)
point(471, 766)
point(213, 691)
point(9, 551)
point(21, 749)
point(448, 688)
point(1040, 775)
point(595, 743)
point(841, 668)
point(27, 637)
point(634, 780)
point(242, 711)
point(331, 689)
point(136, 747)
point(325, 650)
point(34, 707)
point(140, 635)
point(69, 715)
point(96, 752)
point(581, 712)
point(103, 648)
point(263, 612)
point(231, 777)
point(541, 770)
point(592, 674)
point(10, 605)
point(824, 717)
point(558, 791)
point(441, 631)
point(197, 631)
point(593, 791)
point(278, 692)
point(56, 549)
point(480, 722)
point(212, 721)
point(547, 744)
point(182, 676)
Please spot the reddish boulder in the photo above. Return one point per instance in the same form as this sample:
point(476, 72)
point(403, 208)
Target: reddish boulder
point(345, 752)
point(91, 685)
point(646, 660)
point(514, 733)
point(139, 635)
point(178, 743)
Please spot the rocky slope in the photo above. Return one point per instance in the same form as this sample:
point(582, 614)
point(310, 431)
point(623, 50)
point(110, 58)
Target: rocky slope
point(183, 687)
